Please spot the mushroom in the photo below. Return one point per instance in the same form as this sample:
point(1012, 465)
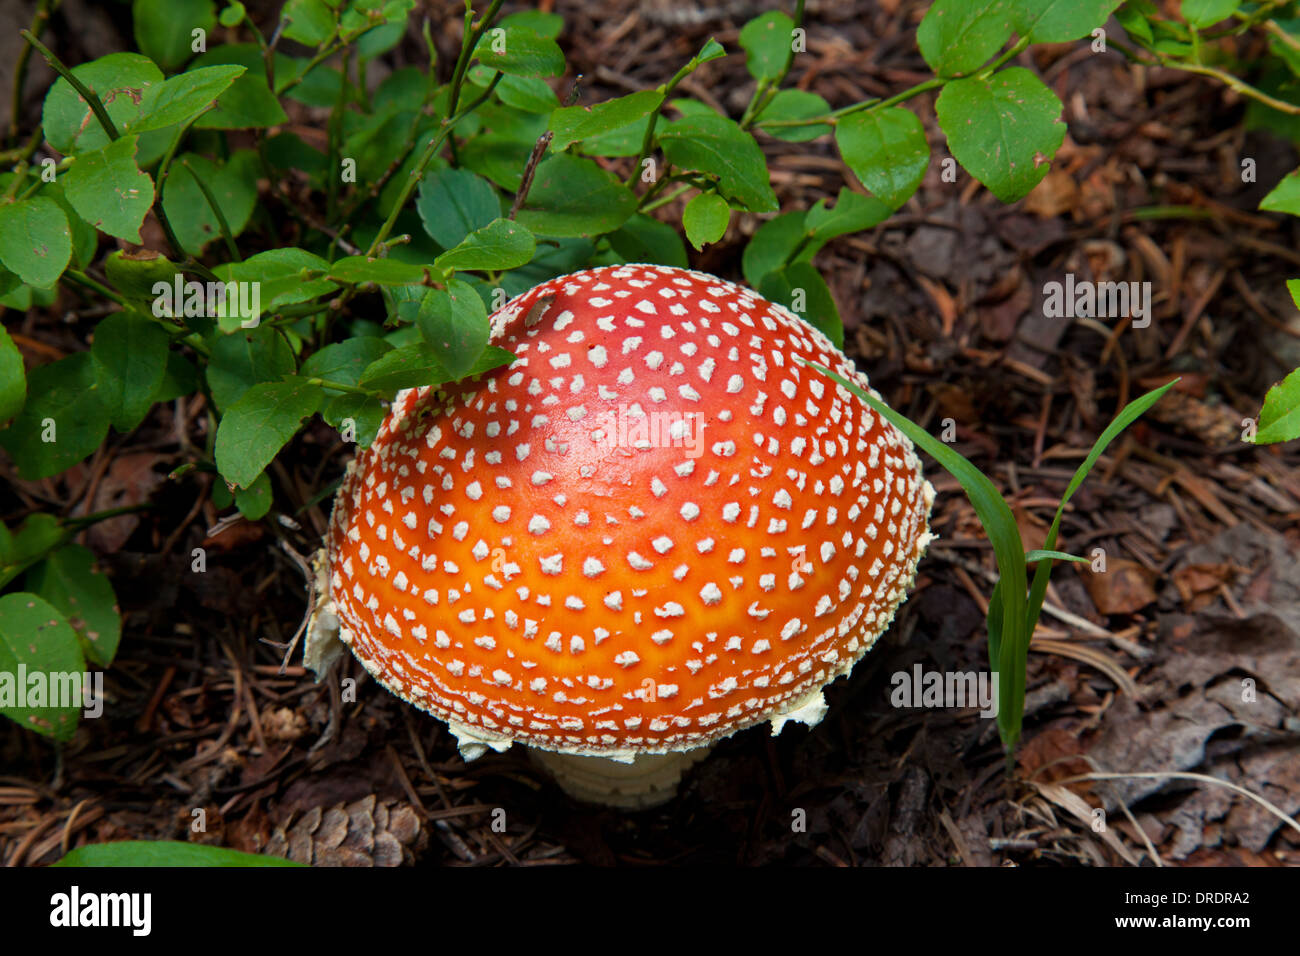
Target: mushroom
point(653, 529)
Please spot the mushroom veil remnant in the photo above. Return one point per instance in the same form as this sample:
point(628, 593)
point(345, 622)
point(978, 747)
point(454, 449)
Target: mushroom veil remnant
point(653, 529)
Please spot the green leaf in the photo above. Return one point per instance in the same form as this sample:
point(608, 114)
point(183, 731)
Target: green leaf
point(36, 537)
point(1285, 196)
point(801, 288)
point(239, 361)
point(767, 41)
point(1279, 420)
point(130, 356)
point(574, 123)
point(1060, 21)
point(35, 636)
point(64, 420)
point(120, 80)
point(311, 22)
point(853, 212)
point(960, 36)
point(255, 500)
point(69, 580)
point(1004, 129)
point(527, 93)
point(109, 191)
point(358, 269)
point(181, 379)
point(519, 52)
point(454, 322)
point(164, 853)
point(287, 276)
point(773, 243)
point(794, 105)
point(418, 364)
point(232, 14)
point(643, 239)
point(13, 379)
point(452, 203)
point(886, 149)
point(1206, 13)
point(705, 219)
point(572, 196)
point(183, 97)
point(233, 185)
point(164, 28)
point(499, 245)
point(719, 147)
point(249, 102)
point(135, 274)
point(85, 240)
point(257, 426)
point(35, 241)
point(364, 413)
point(343, 362)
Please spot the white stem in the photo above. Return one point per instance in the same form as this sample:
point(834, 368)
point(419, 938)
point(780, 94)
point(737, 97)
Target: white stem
point(650, 780)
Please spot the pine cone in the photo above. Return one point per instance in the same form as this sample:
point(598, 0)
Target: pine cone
point(362, 833)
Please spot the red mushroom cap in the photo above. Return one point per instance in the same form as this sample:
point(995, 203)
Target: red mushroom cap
point(653, 529)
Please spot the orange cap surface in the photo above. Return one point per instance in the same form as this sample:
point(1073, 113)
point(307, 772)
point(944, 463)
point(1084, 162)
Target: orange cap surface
point(653, 529)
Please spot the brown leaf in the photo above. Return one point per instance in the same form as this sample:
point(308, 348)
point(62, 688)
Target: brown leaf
point(1125, 587)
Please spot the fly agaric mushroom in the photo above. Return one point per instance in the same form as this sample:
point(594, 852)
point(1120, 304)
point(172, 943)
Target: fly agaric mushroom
point(654, 529)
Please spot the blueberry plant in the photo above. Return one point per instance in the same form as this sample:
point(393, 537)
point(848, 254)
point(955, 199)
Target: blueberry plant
point(282, 273)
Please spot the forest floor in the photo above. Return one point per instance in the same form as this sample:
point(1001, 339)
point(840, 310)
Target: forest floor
point(1143, 669)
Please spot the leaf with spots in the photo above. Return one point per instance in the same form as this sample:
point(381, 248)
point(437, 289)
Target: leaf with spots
point(1004, 129)
point(120, 80)
point(35, 241)
point(960, 36)
point(109, 191)
point(182, 98)
point(69, 580)
point(887, 150)
point(767, 40)
point(35, 637)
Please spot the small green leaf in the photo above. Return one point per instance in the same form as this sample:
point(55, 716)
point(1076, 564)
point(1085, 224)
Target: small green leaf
point(64, 420)
point(343, 362)
point(1060, 21)
point(519, 52)
point(35, 241)
point(572, 196)
point(255, 500)
point(249, 102)
point(1285, 196)
point(574, 123)
point(310, 22)
point(120, 80)
point(35, 637)
point(69, 580)
point(109, 191)
point(1004, 129)
point(705, 219)
point(164, 28)
point(130, 355)
point(13, 379)
point(164, 853)
point(960, 36)
point(853, 212)
point(183, 97)
point(767, 41)
point(257, 426)
point(794, 105)
point(358, 269)
point(233, 184)
point(362, 413)
point(527, 93)
point(801, 289)
point(452, 203)
point(36, 537)
point(643, 239)
point(1279, 420)
point(417, 364)
point(499, 245)
point(719, 147)
point(287, 276)
point(239, 361)
point(454, 322)
point(1206, 13)
point(886, 149)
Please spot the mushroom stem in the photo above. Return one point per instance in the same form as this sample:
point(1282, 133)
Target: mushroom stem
point(648, 781)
